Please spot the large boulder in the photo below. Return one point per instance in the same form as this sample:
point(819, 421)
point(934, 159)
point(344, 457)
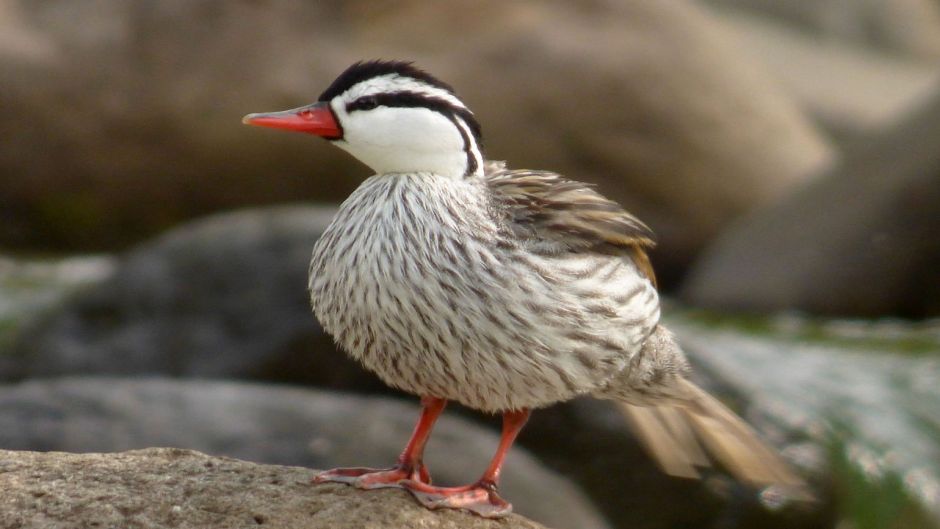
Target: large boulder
point(850, 90)
point(224, 296)
point(861, 241)
point(164, 488)
point(274, 425)
point(126, 114)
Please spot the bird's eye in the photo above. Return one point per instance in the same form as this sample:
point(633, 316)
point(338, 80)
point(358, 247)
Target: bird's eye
point(364, 103)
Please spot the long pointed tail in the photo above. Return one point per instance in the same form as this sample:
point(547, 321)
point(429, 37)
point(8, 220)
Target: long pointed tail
point(678, 435)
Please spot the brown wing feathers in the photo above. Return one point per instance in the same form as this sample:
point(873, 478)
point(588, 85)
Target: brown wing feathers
point(545, 206)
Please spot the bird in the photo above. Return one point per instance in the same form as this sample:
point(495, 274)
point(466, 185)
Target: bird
point(456, 278)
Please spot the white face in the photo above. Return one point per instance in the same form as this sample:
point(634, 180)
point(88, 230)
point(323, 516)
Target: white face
point(398, 139)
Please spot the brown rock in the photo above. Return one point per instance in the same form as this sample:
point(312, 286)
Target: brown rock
point(169, 487)
point(903, 27)
point(127, 120)
point(851, 91)
point(860, 241)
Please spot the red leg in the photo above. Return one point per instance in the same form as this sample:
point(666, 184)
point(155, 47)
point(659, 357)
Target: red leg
point(410, 464)
point(480, 497)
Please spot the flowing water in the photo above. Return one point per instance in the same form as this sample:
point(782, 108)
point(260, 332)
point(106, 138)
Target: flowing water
point(867, 392)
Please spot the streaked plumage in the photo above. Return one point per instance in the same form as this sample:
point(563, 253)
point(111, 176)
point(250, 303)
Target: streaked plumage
point(439, 295)
point(455, 278)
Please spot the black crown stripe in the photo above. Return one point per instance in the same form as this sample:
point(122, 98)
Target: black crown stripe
point(364, 70)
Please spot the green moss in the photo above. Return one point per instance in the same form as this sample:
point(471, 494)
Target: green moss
point(873, 499)
point(8, 328)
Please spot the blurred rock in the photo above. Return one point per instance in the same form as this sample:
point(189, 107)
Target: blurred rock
point(271, 425)
point(862, 241)
point(904, 27)
point(163, 488)
point(30, 287)
point(123, 117)
point(224, 296)
point(850, 90)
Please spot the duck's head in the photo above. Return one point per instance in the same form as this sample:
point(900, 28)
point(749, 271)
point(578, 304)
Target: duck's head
point(393, 117)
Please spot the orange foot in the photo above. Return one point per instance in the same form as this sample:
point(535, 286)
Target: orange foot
point(372, 478)
point(479, 498)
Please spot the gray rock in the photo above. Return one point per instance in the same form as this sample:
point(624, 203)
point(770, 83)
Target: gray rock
point(163, 488)
point(862, 241)
point(31, 287)
point(140, 103)
point(225, 296)
point(269, 425)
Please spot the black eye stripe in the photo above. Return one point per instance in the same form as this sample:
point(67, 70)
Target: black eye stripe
point(406, 99)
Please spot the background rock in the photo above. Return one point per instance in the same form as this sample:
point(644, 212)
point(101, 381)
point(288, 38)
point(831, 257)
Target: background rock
point(28, 288)
point(224, 296)
point(862, 241)
point(167, 488)
point(271, 425)
point(849, 90)
point(139, 103)
point(903, 27)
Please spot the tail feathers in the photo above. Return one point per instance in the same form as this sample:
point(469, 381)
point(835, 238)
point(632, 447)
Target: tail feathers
point(673, 452)
point(674, 435)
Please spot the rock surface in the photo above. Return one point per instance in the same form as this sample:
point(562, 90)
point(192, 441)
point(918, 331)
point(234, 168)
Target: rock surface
point(861, 241)
point(224, 296)
point(275, 425)
point(161, 488)
point(141, 105)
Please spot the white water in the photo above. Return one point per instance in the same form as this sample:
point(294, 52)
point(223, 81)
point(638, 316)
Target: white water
point(883, 403)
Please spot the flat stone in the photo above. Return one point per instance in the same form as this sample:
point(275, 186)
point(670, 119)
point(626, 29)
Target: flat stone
point(159, 488)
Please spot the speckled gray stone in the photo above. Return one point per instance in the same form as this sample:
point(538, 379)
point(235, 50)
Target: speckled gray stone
point(160, 488)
